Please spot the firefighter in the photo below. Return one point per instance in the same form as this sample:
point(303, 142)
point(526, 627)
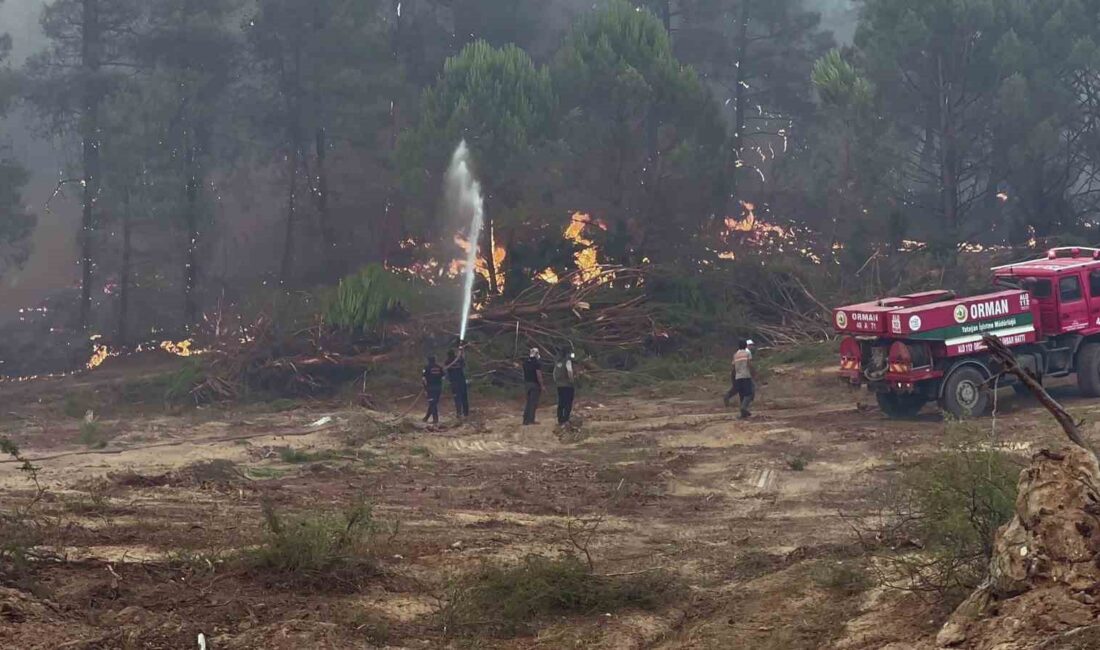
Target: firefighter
point(564, 378)
point(532, 380)
point(456, 377)
point(741, 378)
point(433, 386)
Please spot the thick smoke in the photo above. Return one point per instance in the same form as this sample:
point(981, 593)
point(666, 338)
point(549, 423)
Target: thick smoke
point(52, 263)
point(837, 16)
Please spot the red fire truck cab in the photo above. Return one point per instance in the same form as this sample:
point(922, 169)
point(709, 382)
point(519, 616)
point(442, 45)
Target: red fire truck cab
point(925, 347)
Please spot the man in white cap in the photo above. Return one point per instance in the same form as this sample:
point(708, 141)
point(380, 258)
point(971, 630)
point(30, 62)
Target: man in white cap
point(741, 376)
point(532, 379)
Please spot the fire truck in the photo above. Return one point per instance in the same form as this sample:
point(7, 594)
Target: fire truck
point(927, 347)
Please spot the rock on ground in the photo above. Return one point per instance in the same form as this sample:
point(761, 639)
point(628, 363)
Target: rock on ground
point(1043, 589)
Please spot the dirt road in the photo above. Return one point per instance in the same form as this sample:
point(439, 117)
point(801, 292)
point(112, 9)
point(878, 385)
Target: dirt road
point(747, 515)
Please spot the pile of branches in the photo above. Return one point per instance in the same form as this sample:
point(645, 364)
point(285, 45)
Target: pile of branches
point(262, 359)
point(604, 308)
point(784, 309)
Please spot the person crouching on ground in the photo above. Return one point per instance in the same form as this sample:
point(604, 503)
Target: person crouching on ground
point(456, 376)
point(741, 378)
point(564, 379)
point(532, 379)
point(433, 386)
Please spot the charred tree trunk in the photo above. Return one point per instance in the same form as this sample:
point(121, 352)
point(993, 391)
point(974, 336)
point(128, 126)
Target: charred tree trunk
point(125, 272)
point(321, 194)
point(397, 50)
point(191, 217)
point(287, 267)
point(91, 36)
point(320, 145)
point(490, 253)
point(949, 162)
point(294, 161)
point(740, 99)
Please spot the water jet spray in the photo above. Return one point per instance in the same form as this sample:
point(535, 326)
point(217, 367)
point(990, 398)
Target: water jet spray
point(464, 196)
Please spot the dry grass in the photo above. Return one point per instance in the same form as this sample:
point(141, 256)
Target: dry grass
point(511, 600)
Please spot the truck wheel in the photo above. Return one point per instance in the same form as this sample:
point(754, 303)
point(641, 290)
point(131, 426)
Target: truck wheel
point(965, 394)
point(900, 406)
point(1088, 369)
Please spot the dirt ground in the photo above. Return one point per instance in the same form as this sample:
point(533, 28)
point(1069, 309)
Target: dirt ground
point(745, 514)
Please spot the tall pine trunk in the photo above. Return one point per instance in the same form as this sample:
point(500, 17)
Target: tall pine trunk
point(321, 191)
point(191, 217)
point(489, 251)
point(740, 99)
point(91, 35)
point(295, 164)
point(949, 165)
point(124, 280)
point(287, 267)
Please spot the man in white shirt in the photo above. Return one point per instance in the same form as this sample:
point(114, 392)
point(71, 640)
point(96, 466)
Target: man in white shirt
point(741, 378)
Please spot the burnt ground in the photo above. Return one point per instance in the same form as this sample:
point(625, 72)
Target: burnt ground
point(144, 514)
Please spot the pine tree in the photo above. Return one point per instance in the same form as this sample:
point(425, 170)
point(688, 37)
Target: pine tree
point(644, 134)
point(190, 55)
point(932, 64)
point(318, 59)
point(91, 45)
point(502, 105)
point(16, 223)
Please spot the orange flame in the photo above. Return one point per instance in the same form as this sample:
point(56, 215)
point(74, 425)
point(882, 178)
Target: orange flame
point(100, 353)
point(588, 258)
point(549, 276)
point(180, 349)
point(482, 265)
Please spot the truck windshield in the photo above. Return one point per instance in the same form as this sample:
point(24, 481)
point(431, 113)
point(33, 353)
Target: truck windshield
point(1039, 287)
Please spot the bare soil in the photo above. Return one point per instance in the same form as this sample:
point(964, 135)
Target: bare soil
point(142, 526)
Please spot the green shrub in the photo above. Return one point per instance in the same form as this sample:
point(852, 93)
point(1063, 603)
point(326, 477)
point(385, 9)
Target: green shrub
point(179, 386)
point(299, 456)
point(510, 600)
point(798, 463)
point(845, 578)
point(951, 504)
point(362, 302)
point(76, 405)
point(91, 435)
point(317, 546)
point(22, 530)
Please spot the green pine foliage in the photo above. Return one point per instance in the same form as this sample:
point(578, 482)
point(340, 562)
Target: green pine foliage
point(364, 301)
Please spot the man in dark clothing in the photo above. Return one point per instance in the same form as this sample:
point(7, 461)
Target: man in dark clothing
point(564, 379)
point(532, 379)
point(433, 386)
point(456, 376)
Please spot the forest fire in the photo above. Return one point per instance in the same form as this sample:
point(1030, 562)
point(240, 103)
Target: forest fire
point(100, 352)
point(180, 348)
point(499, 256)
point(588, 258)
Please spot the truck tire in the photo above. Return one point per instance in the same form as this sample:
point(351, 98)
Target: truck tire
point(1088, 369)
point(965, 394)
point(900, 406)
